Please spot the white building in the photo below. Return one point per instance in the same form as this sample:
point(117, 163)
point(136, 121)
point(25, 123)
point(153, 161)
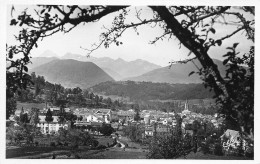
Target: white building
point(234, 139)
point(52, 127)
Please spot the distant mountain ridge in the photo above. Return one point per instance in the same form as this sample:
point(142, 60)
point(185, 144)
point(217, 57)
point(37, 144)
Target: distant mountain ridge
point(37, 61)
point(48, 54)
point(138, 70)
point(72, 73)
point(121, 68)
point(177, 73)
point(116, 68)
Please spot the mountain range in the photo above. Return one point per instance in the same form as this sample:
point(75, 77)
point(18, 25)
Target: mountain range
point(118, 69)
point(76, 70)
point(176, 73)
point(72, 73)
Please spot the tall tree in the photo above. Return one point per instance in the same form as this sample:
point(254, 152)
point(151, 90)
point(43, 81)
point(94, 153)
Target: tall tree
point(48, 118)
point(137, 113)
point(62, 115)
point(34, 116)
point(23, 117)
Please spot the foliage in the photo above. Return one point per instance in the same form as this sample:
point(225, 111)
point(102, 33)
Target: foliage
point(34, 116)
point(62, 115)
point(48, 117)
point(153, 91)
point(71, 117)
point(10, 106)
point(137, 113)
point(239, 106)
point(75, 137)
point(169, 146)
point(134, 132)
point(107, 130)
point(17, 133)
point(14, 133)
point(24, 117)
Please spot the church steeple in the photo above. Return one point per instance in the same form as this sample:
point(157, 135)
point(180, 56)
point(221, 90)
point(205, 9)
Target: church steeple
point(186, 106)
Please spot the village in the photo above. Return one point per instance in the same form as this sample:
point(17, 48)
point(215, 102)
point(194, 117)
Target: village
point(203, 127)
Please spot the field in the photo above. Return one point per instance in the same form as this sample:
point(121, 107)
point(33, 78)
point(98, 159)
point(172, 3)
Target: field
point(42, 152)
point(17, 152)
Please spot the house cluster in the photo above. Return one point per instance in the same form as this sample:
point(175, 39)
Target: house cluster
point(85, 116)
point(165, 121)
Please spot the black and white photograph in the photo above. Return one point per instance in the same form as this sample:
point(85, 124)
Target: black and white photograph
point(129, 81)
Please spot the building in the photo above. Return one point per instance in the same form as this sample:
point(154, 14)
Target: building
point(147, 119)
point(186, 109)
point(94, 115)
point(51, 127)
point(160, 130)
point(232, 139)
point(125, 115)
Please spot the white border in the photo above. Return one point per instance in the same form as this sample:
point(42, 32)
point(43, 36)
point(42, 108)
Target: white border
point(4, 3)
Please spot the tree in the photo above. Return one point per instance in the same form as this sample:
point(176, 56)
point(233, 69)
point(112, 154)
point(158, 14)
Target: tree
point(97, 100)
point(62, 115)
point(137, 113)
point(71, 117)
point(34, 116)
point(170, 145)
point(134, 132)
point(48, 118)
point(85, 93)
point(193, 26)
point(10, 106)
point(76, 90)
point(80, 118)
point(195, 126)
point(23, 117)
point(106, 130)
point(109, 102)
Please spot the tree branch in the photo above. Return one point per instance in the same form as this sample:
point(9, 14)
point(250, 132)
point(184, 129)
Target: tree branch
point(185, 36)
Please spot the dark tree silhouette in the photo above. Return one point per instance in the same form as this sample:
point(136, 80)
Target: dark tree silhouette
point(48, 118)
point(23, 117)
point(62, 115)
point(193, 26)
point(137, 113)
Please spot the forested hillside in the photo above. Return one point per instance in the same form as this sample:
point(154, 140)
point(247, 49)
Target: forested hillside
point(153, 91)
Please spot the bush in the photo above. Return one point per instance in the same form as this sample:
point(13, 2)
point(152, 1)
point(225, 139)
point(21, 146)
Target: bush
point(94, 143)
point(101, 147)
point(66, 144)
point(107, 130)
point(118, 145)
point(218, 150)
point(52, 144)
point(75, 137)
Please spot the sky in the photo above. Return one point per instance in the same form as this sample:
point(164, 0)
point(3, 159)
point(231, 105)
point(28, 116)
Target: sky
point(134, 46)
